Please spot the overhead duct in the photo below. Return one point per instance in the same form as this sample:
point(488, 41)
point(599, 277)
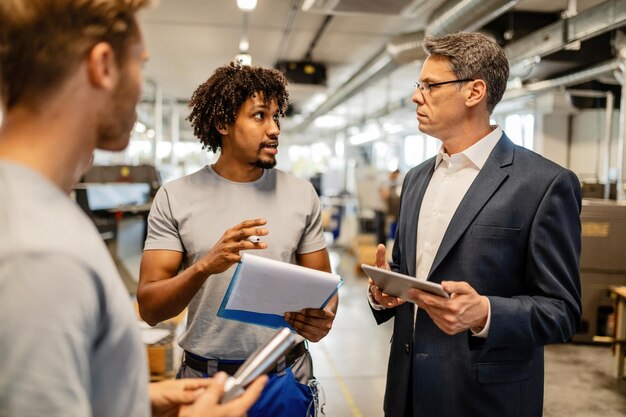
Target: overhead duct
point(467, 15)
point(407, 8)
point(555, 37)
point(589, 74)
point(408, 47)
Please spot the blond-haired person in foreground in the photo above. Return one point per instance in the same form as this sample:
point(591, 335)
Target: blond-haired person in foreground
point(70, 78)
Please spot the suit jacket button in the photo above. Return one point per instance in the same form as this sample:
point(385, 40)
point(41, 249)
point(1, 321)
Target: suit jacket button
point(407, 348)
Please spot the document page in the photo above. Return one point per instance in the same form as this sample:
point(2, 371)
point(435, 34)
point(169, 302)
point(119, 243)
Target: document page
point(265, 287)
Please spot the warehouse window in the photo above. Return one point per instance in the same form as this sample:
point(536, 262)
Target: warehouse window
point(418, 148)
point(520, 128)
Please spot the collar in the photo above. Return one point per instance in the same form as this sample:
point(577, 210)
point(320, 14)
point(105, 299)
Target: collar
point(478, 152)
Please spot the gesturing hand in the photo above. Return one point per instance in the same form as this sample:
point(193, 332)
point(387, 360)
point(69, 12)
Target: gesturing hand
point(225, 253)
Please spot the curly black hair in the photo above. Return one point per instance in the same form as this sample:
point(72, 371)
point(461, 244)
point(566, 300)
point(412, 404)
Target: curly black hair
point(217, 101)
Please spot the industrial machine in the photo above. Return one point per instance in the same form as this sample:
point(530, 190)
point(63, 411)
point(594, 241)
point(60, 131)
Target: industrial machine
point(118, 198)
point(602, 264)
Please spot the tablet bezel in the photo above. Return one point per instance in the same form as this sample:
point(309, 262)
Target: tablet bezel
point(398, 285)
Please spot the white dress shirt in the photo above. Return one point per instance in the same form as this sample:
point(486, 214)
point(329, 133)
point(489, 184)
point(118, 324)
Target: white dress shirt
point(453, 176)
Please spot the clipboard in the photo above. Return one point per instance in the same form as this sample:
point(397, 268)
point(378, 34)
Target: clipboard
point(398, 285)
point(262, 290)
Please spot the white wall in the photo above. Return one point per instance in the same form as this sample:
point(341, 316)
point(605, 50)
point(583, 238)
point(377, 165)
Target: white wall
point(552, 113)
point(587, 134)
point(551, 136)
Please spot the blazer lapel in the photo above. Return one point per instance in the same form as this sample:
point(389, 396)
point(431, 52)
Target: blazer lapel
point(484, 186)
point(414, 196)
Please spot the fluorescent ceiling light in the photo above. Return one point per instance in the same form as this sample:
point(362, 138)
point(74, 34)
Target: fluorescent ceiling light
point(392, 128)
point(246, 5)
point(244, 59)
point(329, 121)
point(371, 132)
point(367, 136)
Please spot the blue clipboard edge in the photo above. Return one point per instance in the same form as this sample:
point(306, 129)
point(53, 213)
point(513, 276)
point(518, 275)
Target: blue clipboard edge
point(273, 321)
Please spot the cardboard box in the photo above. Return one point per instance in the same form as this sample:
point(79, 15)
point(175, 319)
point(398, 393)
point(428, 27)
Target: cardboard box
point(366, 254)
point(162, 358)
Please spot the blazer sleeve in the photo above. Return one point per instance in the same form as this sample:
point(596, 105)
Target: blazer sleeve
point(551, 310)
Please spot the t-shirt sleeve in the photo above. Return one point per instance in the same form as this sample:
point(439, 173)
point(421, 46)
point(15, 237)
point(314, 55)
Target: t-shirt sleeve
point(313, 238)
point(162, 226)
point(51, 308)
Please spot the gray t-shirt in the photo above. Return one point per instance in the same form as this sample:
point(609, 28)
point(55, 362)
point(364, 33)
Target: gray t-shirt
point(69, 340)
point(192, 213)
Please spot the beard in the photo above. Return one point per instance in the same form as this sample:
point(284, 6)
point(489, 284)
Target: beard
point(265, 163)
point(116, 125)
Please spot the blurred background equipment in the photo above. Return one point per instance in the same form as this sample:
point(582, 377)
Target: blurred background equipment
point(118, 198)
point(602, 265)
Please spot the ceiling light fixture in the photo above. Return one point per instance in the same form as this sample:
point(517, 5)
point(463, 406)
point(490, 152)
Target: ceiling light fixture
point(244, 45)
point(244, 59)
point(246, 5)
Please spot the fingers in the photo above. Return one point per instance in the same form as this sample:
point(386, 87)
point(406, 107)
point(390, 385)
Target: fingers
point(382, 299)
point(192, 384)
point(458, 287)
point(312, 324)
point(246, 229)
point(426, 300)
point(381, 257)
point(241, 232)
point(246, 224)
point(215, 391)
point(388, 301)
point(241, 404)
point(321, 313)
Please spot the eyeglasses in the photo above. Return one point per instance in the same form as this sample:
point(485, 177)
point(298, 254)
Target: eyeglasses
point(425, 87)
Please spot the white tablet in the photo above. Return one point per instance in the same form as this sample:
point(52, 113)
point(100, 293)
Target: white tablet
point(398, 285)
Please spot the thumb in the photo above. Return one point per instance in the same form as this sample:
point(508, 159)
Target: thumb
point(381, 255)
point(456, 287)
point(215, 391)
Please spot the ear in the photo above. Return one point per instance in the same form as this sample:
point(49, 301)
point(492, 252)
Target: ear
point(476, 93)
point(102, 67)
point(222, 129)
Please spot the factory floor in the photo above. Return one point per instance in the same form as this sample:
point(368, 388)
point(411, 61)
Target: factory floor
point(351, 362)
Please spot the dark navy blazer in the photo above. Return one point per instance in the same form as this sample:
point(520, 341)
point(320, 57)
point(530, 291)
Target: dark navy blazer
point(515, 238)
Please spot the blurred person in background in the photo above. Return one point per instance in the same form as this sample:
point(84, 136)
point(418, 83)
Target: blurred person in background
point(390, 192)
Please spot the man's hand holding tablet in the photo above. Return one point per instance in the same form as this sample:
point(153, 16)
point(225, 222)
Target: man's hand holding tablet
point(382, 299)
point(388, 296)
point(398, 285)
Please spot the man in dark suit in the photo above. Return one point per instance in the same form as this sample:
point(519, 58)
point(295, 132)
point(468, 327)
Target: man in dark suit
point(498, 226)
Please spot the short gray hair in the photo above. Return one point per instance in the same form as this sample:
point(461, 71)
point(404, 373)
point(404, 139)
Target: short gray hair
point(474, 56)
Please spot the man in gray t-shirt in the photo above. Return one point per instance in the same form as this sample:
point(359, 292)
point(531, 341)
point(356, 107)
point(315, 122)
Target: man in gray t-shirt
point(191, 252)
point(69, 331)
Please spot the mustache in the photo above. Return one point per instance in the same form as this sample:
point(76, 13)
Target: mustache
point(268, 144)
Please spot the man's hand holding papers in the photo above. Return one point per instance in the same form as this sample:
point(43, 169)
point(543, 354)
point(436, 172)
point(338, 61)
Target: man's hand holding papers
point(311, 323)
point(272, 293)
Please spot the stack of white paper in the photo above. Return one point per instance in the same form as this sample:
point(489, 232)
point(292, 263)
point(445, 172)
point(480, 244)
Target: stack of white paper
point(262, 290)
